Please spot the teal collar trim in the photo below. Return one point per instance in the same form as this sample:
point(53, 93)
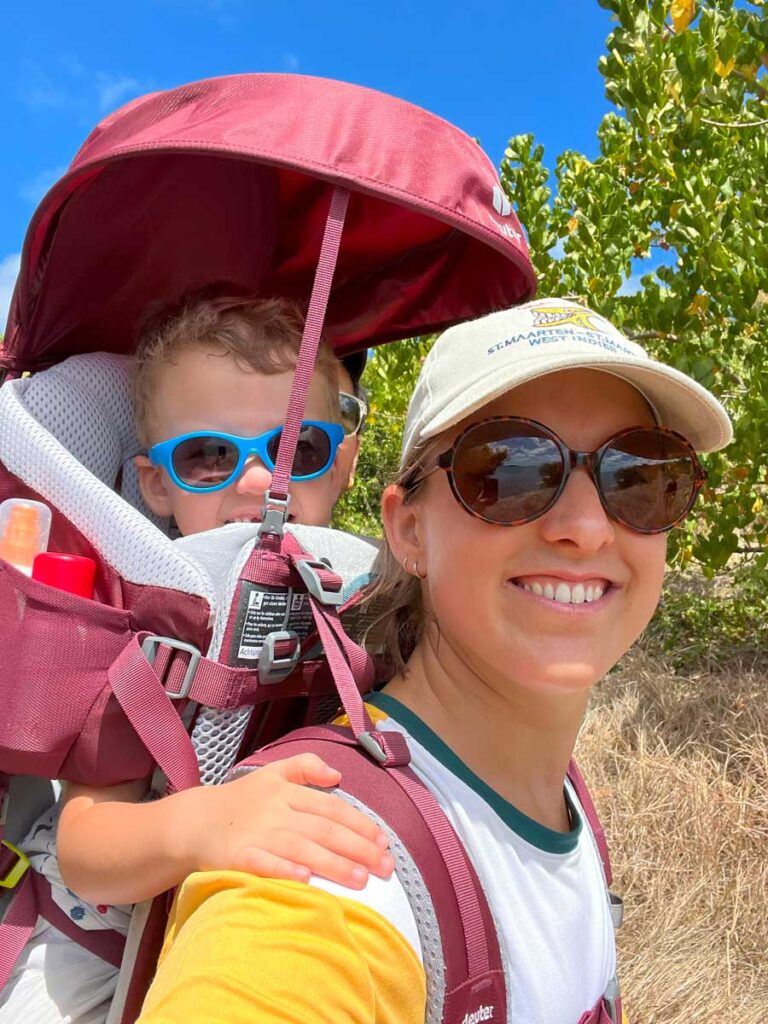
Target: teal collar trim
point(531, 831)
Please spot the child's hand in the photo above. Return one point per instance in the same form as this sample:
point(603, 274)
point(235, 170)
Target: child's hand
point(270, 823)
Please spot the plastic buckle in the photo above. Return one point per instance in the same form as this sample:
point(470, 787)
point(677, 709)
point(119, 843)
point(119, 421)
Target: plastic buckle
point(15, 874)
point(368, 742)
point(617, 910)
point(275, 515)
point(310, 574)
point(611, 1000)
point(149, 648)
point(271, 668)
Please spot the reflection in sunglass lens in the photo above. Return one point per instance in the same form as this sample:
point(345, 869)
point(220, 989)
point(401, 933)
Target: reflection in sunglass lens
point(313, 451)
point(351, 412)
point(204, 461)
point(506, 472)
point(648, 480)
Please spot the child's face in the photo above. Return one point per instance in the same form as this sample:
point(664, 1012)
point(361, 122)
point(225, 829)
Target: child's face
point(205, 390)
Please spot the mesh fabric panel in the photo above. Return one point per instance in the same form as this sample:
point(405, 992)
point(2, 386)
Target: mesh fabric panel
point(74, 398)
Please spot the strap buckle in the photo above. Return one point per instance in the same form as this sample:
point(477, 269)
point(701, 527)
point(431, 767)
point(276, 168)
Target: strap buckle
point(612, 1000)
point(16, 872)
point(368, 742)
point(149, 649)
point(271, 667)
point(617, 910)
point(275, 515)
point(309, 571)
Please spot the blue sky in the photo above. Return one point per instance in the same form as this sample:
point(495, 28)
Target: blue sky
point(494, 70)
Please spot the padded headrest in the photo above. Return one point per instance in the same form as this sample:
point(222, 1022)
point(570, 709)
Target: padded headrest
point(85, 403)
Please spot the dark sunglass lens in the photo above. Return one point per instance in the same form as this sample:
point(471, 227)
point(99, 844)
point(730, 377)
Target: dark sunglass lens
point(350, 413)
point(313, 451)
point(648, 480)
point(507, 472)
point(203, 462)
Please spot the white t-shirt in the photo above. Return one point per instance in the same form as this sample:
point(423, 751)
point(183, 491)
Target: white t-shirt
point(546, 889)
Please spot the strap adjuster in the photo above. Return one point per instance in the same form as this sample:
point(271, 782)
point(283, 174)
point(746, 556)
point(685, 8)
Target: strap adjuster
point(150, 647)
point(310, 575)
point(16, 872)
point(271, 667)
point(275, 515)
point(611, 1000)
point(617, 910)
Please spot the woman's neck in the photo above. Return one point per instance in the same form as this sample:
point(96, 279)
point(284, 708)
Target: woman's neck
point(516, 738)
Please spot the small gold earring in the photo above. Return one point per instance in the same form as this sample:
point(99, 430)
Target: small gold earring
point(414, 571)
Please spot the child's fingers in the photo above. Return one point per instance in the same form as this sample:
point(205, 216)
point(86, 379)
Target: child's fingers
point(269, 865)
point(306, 770)
point(338, 811)
point(299, 850)
point(337, 840)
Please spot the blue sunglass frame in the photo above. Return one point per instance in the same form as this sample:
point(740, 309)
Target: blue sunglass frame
point(161, 454)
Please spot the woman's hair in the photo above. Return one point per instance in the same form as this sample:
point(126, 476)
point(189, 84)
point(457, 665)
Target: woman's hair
point(262, 335)
point(395, 601)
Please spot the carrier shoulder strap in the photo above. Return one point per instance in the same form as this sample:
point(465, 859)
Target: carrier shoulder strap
point(456, 918)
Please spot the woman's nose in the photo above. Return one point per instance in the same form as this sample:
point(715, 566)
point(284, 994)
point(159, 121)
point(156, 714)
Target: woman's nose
point(578, 517)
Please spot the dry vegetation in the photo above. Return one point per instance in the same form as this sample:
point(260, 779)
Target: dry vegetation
point(679, 769)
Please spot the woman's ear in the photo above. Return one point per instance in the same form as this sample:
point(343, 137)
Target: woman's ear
point(402, 522)
point(156, 489)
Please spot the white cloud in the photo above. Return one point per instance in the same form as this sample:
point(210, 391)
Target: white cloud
point(35, 188)
point(114, 89)
point(9, 269)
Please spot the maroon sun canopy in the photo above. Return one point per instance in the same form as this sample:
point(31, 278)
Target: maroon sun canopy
point(229, 180)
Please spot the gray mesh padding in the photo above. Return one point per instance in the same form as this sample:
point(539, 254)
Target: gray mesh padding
point(419, 901)
point(71, 408)
point(217, 734)
point(424, 914)
point(85, 402)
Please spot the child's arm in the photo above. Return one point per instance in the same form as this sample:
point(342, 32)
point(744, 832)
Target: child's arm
point(114, 850)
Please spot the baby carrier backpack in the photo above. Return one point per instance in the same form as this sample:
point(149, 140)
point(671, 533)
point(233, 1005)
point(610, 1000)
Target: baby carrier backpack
point(196, 652)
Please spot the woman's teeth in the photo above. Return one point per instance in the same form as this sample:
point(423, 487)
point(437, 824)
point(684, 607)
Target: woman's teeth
point(566, 593)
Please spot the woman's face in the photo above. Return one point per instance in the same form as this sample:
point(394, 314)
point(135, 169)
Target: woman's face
point(486, 585)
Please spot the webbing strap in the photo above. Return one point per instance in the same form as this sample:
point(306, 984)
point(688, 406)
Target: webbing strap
point(397, 756)
point(310, 341)
point(148, 708)
point(578, 783)
point(5, 796)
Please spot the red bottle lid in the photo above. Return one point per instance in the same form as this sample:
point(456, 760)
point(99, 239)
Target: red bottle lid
point(73, 573)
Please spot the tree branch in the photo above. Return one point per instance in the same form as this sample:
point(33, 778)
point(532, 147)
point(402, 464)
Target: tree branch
point(652, 336)
point(734, 124)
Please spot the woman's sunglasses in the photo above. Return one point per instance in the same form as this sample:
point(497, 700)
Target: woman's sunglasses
point(508, 470)
point(211, 461)
point(353, 411)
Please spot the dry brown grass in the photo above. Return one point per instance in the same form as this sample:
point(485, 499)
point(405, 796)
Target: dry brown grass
point(679, 770)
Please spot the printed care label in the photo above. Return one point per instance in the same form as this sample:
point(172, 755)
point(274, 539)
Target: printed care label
point(263, 610)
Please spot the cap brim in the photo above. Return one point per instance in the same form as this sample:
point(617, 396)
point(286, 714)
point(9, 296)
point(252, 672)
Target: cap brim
point(680, 403)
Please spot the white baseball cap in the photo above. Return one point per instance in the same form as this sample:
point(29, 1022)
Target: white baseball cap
point(473, 363)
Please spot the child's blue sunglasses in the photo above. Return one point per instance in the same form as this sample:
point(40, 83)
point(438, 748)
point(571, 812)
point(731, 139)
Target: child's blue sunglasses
point(211, 461)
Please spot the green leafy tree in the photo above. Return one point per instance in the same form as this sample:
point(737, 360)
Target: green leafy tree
point(682, 173)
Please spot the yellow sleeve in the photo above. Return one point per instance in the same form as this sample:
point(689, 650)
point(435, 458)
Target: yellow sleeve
point(241, 949)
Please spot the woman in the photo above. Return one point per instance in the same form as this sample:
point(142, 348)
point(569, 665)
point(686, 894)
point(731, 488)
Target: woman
point(544, 460)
